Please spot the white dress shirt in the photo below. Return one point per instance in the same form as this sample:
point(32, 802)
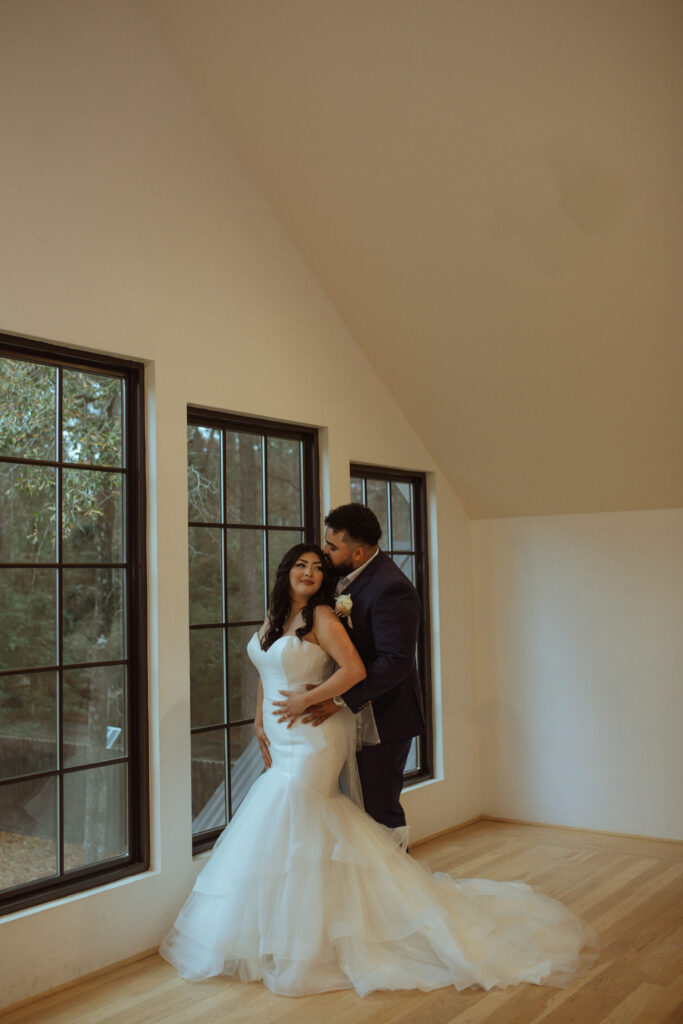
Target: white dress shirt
point(343, 583)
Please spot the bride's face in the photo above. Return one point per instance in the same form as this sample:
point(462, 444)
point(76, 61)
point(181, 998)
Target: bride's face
point(305, 577)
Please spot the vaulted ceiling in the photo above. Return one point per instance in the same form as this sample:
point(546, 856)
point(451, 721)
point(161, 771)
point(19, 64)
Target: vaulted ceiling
point(489, 191)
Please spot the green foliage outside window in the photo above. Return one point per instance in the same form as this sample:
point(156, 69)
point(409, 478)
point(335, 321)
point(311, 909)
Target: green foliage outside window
point(91, 506)
point(63, 611)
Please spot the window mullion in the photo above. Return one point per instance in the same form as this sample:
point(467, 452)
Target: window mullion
point(390, 523)
point(266, 543)
point(226, 644)
point(60, 621)
point(228, 773)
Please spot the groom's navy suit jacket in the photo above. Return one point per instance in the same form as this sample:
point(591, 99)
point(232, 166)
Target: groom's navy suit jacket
point(385, 619)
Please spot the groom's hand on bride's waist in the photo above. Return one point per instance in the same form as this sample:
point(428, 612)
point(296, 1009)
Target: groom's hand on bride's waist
point(319, 713)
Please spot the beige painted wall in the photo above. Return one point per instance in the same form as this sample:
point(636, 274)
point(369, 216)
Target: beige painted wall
point(580, 669)
point(129, 228)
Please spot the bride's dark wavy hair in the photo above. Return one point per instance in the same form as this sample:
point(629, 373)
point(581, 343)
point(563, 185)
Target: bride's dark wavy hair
point(280, 602)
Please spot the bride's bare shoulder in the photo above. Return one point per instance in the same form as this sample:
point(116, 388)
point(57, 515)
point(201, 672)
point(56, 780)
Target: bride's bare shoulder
point(323, 613)
point(326, 624)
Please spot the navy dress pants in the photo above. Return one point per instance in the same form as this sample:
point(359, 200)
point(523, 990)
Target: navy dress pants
point(381, 778)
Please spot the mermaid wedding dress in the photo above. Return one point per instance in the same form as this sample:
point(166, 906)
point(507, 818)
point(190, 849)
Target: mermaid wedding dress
point(306, 893)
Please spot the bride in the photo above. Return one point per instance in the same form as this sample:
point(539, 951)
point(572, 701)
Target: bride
point(306, 892)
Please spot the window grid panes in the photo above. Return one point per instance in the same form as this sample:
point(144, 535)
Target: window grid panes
point(252, 494)
point(399, 501)
point(73, 805)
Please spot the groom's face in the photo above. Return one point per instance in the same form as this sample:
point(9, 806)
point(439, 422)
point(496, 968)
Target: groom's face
point(339, 551)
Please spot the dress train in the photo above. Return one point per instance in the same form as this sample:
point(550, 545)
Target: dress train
point(306, 893)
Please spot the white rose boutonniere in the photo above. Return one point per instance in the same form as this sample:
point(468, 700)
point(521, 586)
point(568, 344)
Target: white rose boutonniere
point(343, 606)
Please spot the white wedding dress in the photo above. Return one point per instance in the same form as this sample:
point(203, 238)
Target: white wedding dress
point(306, 893)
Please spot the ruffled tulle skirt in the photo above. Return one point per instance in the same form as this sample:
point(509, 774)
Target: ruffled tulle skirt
point(307, 893)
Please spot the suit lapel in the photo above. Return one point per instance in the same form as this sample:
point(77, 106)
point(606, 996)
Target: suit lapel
point(362, 581)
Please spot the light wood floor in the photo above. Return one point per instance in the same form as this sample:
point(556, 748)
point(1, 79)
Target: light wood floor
point(630, 890)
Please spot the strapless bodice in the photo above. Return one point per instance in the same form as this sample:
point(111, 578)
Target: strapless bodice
point(312, 755)
point(289, 664)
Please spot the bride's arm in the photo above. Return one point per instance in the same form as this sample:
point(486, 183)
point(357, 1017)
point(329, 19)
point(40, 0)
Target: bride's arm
point(259, 730)
point(335, 641)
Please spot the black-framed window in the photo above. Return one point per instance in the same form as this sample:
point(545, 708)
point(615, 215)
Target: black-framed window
point(73, 693)
point(252, 494)
point(399, 500)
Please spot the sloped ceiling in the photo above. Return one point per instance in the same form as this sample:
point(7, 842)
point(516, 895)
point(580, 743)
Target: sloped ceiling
point(490, 193)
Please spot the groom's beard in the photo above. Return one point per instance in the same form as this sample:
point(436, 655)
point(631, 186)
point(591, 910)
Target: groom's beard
point(341, 570)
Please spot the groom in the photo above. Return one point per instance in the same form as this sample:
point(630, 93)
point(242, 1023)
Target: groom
point(383, 623)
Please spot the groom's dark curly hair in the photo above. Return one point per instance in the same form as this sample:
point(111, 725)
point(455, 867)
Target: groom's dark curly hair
point(358, 521)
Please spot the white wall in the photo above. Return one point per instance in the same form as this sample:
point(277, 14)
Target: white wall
point(579, 653)
point(129, 228)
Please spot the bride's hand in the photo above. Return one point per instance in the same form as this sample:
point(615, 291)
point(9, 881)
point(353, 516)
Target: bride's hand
point(292, 707)
point(264, 743)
